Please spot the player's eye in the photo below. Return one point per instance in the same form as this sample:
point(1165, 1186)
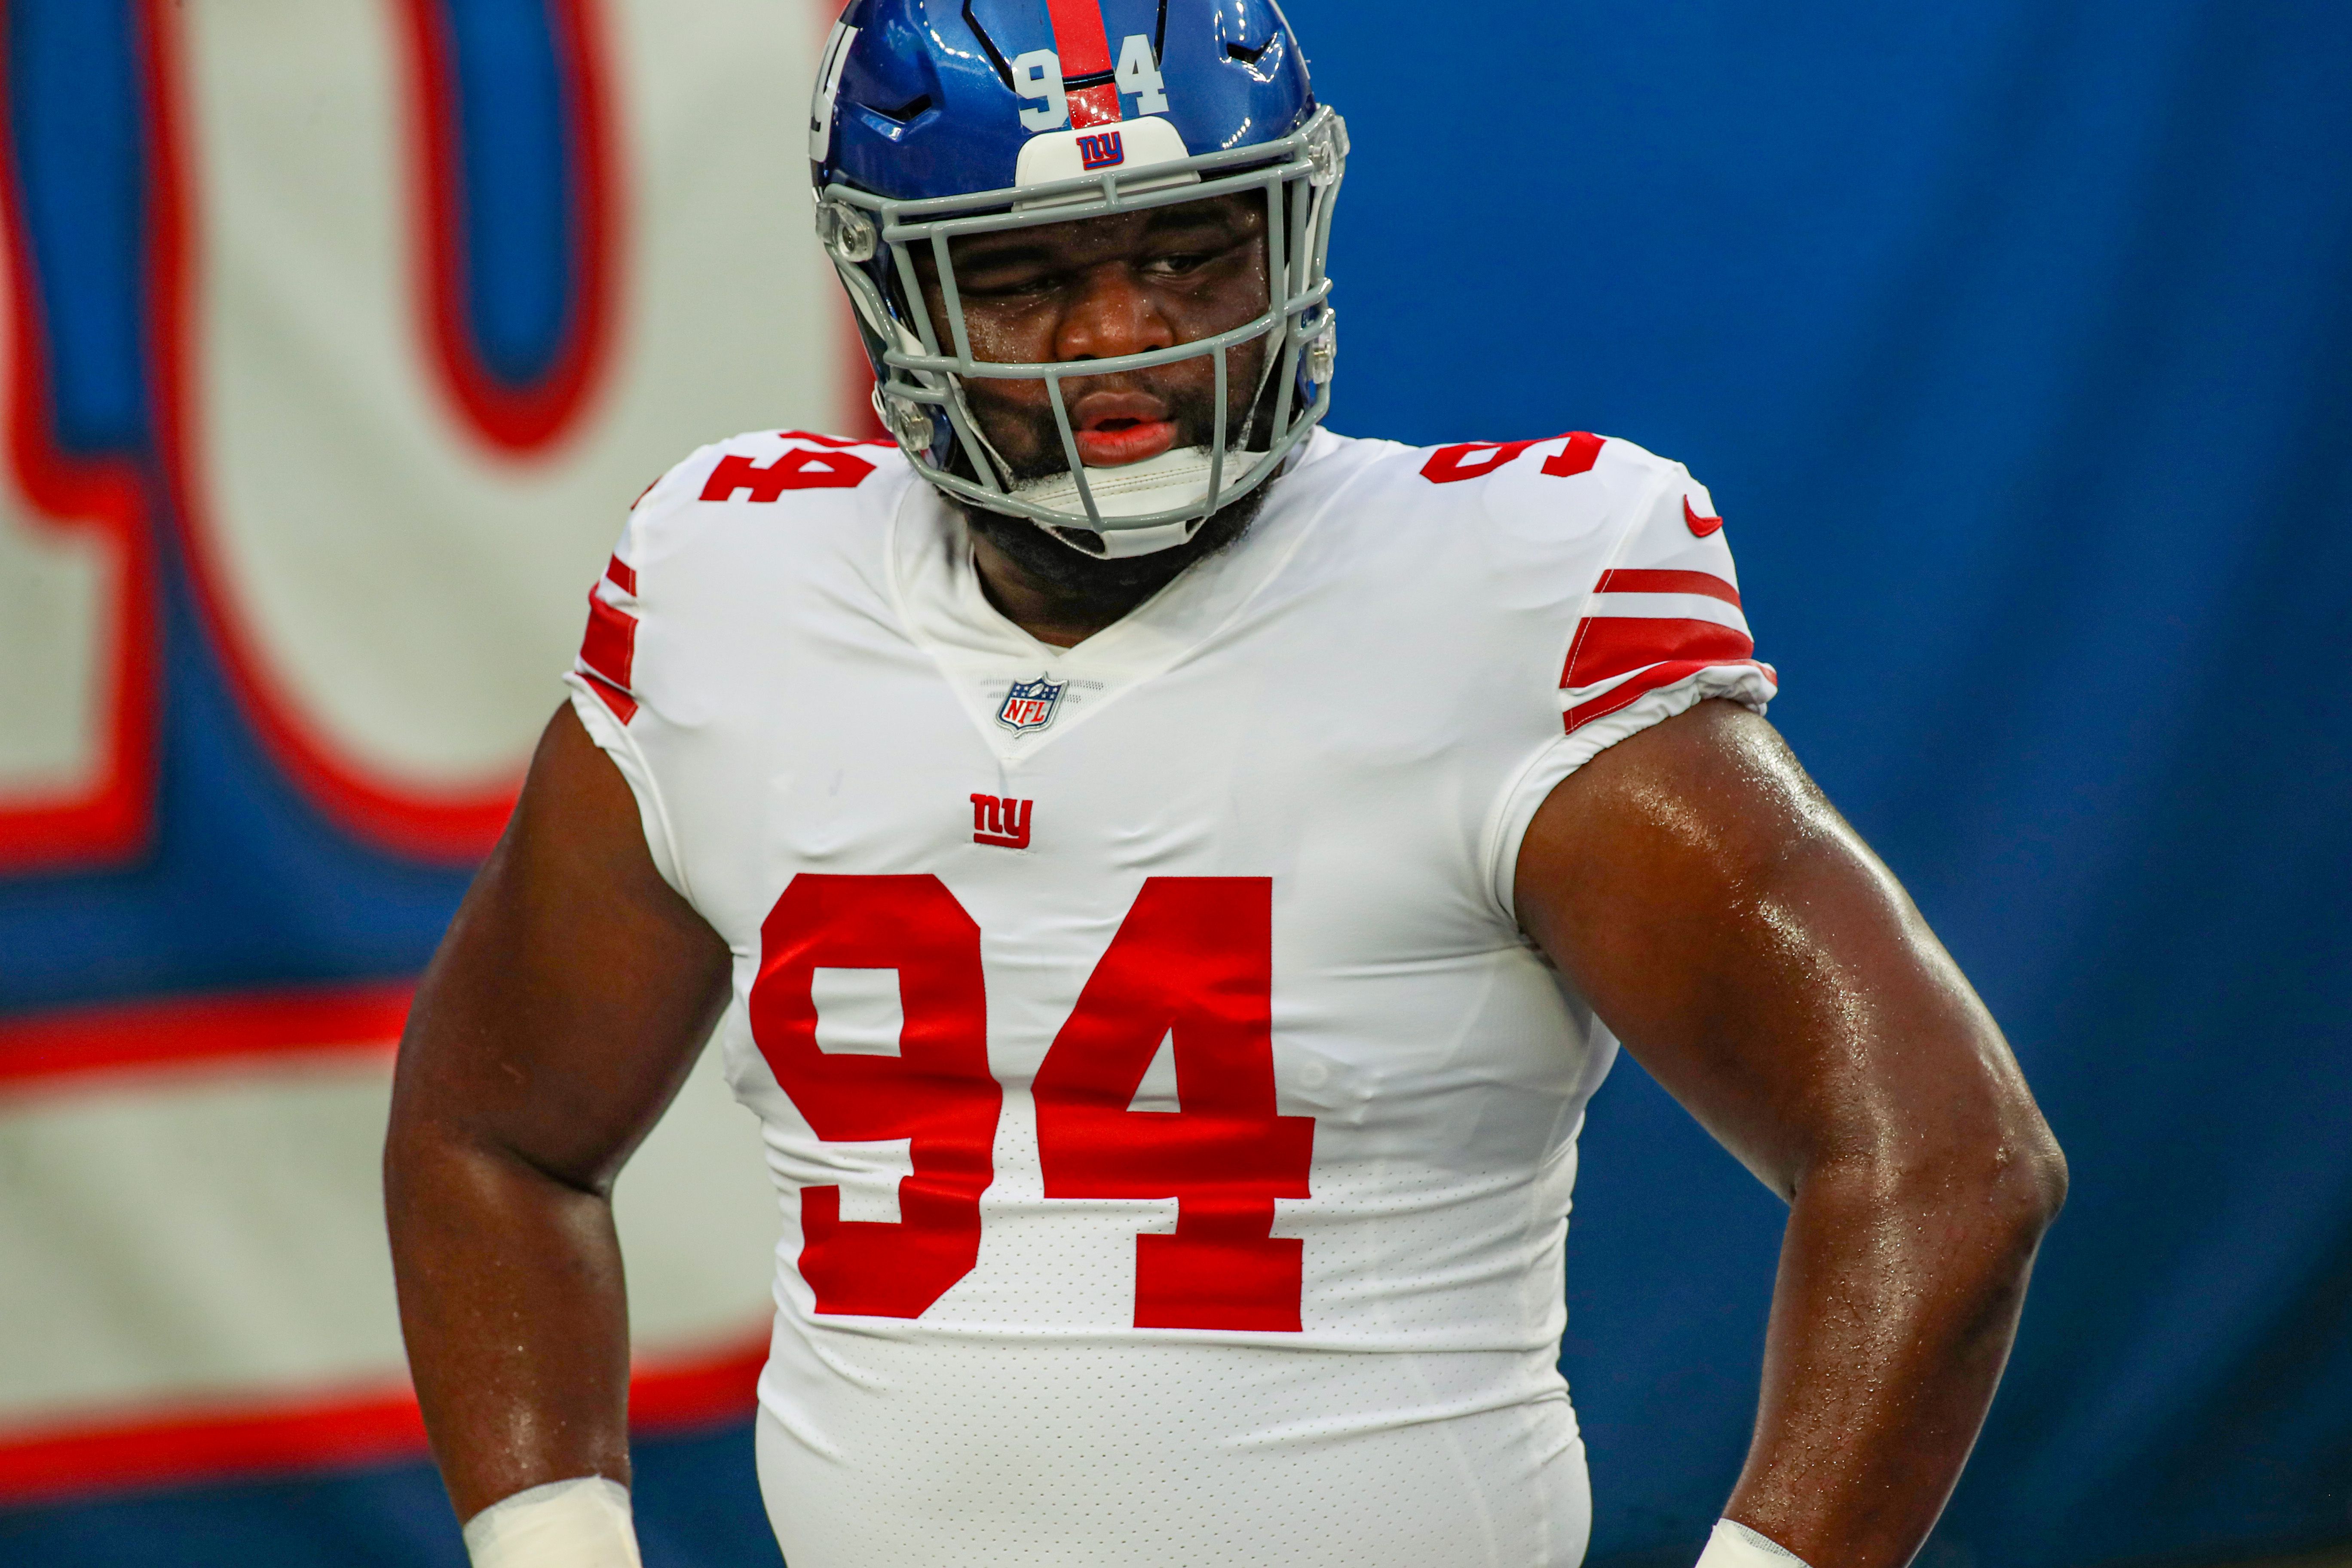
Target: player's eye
point(1006, 282)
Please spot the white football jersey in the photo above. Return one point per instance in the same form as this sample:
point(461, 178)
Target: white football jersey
point(1175, 1132)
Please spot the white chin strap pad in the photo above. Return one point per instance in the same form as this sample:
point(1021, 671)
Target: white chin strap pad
point(579, 1523)
point(1172, 479)
point(1128, 542)
point(1736, 1546)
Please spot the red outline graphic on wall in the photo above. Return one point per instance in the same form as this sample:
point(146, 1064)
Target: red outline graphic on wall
point(456, 823)
point(185, 1441)
point(235, 1033)
point(183, 1445)
point(519, 421)
point(112, 819)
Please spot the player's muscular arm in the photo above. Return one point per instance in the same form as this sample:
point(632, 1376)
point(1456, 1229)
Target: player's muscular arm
point(1758, 959)
point(562, 1012)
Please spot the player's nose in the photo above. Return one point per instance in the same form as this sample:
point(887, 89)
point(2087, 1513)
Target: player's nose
point(1112, 313)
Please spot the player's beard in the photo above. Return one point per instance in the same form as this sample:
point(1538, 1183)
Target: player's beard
point(1092, 585)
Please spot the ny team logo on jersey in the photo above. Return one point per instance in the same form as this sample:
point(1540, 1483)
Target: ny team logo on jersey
point(1030, 704)
point(1002, 821)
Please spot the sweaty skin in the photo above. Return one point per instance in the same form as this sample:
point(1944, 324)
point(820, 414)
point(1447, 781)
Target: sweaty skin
point(1069, 292)
point(1123, 284)
point(1722, 919)
point(1767, 969)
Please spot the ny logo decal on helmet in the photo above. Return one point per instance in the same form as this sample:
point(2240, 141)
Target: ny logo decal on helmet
point(1101, 152)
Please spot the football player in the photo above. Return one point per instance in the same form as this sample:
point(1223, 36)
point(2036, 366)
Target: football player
point(1169, 878)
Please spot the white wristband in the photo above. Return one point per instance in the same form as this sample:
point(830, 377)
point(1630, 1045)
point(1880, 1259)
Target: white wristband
point(1736, 1546)
point(579, 1523)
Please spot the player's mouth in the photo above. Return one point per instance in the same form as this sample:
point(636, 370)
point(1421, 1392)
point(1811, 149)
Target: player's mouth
point(1120, 428)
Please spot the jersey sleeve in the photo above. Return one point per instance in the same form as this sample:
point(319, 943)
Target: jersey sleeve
point(714, 557)
point(604, 680)
point(1661, 629)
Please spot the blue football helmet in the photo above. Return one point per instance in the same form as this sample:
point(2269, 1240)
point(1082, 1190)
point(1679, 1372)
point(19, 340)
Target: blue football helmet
point(938, 118)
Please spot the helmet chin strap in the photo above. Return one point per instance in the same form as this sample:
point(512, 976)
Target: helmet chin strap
point(1128, 542)
point(1180, 478)
point(1174, 478)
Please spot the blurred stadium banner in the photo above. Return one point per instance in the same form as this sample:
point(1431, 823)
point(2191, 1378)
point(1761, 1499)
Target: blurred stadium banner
point(192, 1217)
point(428, 294)
point(340, 335)
point(390, 480)
point(77, 619)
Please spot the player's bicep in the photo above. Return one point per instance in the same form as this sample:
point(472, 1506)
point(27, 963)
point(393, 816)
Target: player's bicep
point(575, 988)
point(1757, 958)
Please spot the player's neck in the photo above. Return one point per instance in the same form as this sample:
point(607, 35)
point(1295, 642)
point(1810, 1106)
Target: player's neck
point(1056, 614)
point(1062, 597)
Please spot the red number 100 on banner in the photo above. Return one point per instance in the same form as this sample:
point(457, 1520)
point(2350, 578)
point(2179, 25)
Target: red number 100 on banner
point(1191, 963)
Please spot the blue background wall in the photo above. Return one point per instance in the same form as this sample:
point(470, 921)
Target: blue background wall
point(2014, 338)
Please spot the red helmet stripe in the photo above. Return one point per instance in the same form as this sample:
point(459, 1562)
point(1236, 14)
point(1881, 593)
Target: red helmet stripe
point(1094, 106)
point(1083, 46)
point(1080, 38)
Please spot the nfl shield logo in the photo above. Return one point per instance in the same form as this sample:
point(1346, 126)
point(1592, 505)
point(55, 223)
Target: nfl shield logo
point(1030, 704)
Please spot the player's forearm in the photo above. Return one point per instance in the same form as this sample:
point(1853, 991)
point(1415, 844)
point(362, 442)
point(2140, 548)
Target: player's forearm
point(513, 1308)
point(1897, 1298)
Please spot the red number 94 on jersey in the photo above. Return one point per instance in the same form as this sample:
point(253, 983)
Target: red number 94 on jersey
point(1191, 963)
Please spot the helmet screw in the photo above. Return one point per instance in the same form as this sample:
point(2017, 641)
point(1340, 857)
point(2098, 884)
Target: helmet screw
point(1324, 350)
point(1323, 161)
point(908, 424)
point(846, 232)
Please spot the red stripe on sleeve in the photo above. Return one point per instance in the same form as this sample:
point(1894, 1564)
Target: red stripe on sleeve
point(610, 651)
point(1610, 646)
point(1636, 581)
point(622, 576)
point(1649, 680)
point(1079, 39)
point(623, 706)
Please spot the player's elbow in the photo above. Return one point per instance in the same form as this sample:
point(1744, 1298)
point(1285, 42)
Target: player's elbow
point(2034, 1172)
point(1979, 1164)
point(2005, 1184)
point(2019, 1166)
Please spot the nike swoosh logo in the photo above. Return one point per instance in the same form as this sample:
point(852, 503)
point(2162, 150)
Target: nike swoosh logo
point(1702, 526)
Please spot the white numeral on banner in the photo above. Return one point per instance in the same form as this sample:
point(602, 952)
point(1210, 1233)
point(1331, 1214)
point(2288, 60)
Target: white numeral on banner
point(1138, 73)
point(59, 596)
point(1038, 75)
point(320, 364)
